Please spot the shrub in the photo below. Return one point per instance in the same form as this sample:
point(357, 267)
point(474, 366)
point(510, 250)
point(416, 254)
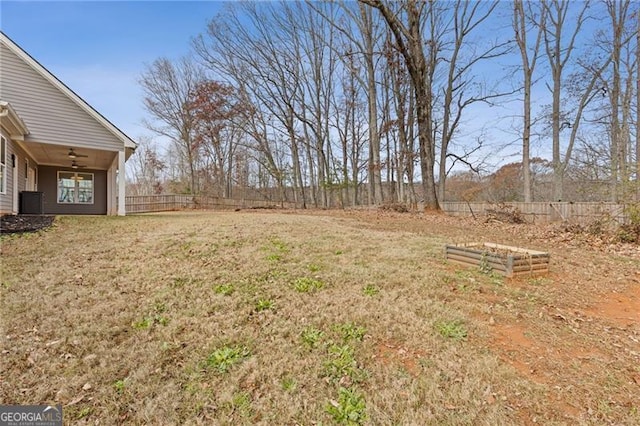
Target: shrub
point(629, 232)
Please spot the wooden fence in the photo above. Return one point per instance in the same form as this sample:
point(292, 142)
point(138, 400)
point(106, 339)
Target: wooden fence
point(544, 212)
point(538, 212)
point(169, 202)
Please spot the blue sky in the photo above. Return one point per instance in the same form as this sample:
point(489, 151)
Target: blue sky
point(99, 49)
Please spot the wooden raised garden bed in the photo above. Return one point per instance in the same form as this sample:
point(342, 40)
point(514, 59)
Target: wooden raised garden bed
point(506, 260)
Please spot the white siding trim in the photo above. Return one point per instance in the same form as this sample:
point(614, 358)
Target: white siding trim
point(4, 143)
point(18, 129)
point(16, 177)
point(112, 208)
point(121, 184)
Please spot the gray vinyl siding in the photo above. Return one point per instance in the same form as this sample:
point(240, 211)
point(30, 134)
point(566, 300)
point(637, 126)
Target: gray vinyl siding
point(51, 116)
point(48, 184)
point(6, 200)
point(22, 167)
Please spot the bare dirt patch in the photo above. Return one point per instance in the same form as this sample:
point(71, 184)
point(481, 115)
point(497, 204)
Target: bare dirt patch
point(621, 308)
point(393, 354)
point(128, 320)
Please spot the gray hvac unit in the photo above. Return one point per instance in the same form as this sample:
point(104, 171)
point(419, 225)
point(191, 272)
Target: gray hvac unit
point(31, 202)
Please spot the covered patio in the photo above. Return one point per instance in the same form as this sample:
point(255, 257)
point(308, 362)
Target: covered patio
point(55, 148)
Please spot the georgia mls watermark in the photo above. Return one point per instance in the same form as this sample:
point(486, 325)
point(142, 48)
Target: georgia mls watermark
point(30, 415)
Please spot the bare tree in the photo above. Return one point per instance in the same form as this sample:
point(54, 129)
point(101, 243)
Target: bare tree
point(361, 28)
point(146, 167)
point(348, 122)
point(613, 114)
point(317, 47)
point(404, 119)
point(619, 96)
point(409, 40)
point(638, 105)
point(460, 88)
point(256, 48)
point(529, 54)
point(559, 49)
point(217, 109)
point(367, 28)
point(167, 89)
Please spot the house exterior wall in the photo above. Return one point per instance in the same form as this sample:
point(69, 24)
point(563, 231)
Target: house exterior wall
point(6, 199)
point(48, 184)
point(21, 157)
point(50, 115)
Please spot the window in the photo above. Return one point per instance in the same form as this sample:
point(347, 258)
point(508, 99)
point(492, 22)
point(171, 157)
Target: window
point(75, 188)
point(3, 165)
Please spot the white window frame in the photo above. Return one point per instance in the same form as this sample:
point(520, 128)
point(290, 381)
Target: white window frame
point(3, 164)
point(76, 191)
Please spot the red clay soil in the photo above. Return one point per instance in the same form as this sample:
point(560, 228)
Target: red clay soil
point(581, 325)
point(397, 355)
point(622, 309)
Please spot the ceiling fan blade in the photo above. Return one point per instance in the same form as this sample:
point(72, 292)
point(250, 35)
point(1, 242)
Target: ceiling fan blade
point(74, 154)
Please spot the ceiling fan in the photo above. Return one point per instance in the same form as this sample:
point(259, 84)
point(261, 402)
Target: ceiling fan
point(75, 165)
point(72, 154)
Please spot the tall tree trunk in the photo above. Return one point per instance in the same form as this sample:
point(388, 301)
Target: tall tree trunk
point(427, 150)
point(526, 140)
point(410, 45)
point(558, 56)
point(528, 66)
point(313, 182)
point(618, 11)
point(298, 186)
point(375, 170)
point(345, 163)
point(615, 102)
point(555, 123)
point(410, 149)
point(404, 153)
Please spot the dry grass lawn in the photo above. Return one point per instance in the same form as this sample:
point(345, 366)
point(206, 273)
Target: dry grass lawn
point(316, 318)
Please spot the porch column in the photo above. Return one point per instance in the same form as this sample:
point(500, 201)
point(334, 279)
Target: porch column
point(121, 184)
point(111, 180)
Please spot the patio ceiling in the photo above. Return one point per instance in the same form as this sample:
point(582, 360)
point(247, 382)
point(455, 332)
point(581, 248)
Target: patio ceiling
point(58, 155)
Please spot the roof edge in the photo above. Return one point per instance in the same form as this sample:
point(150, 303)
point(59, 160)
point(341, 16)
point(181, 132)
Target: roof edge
point(20, 129)
point(77, 99)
